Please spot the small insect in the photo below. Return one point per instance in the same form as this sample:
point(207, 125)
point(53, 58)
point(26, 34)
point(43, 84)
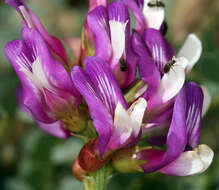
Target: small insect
point(164, 28)
point(123, 66)
point(169, 65)
point(156, 3)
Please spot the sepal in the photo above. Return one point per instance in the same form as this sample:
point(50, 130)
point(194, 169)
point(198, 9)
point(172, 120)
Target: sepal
point(78, 171)
point(125, 160)
point(89, 158)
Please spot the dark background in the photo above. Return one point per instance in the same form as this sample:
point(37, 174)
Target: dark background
point(31, 159)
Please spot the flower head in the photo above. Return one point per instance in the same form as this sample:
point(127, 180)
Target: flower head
point(155, 104)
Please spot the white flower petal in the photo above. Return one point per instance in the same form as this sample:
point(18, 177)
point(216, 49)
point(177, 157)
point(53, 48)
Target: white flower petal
point(136, 112)
point(171, 83)
point(122, 123)
point(117, 31)
point(206, 155)
point(141, 91)
point(207, 100)
point(37, 76)
point(154, 16)
point(191, 50)
point(190, 162)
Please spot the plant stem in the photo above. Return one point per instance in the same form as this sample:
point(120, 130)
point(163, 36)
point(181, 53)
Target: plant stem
point(98, 180)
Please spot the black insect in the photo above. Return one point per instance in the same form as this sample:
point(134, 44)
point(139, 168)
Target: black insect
point(169, 65)
point(164, 28)
point(156, 3)
point(123, 65)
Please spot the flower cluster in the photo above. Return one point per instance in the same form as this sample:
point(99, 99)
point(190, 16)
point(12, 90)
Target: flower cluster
point(133, 83)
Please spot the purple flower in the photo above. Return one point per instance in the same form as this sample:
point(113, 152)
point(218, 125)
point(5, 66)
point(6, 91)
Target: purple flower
point(183, 155)
point(48, 92)
point(111, 30)
point(116, 126)
point(30, 20)
point(155, 54)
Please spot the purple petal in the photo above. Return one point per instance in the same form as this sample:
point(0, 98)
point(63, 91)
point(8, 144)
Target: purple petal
point(147, 69)
point(106, 86)
point(164, 116)
point(98, 23)
point(176, 140)
point(118, 11)
point(159, 140)
point(160, 49)
point(140, 3)
point(102, 119)
point(194, 97)
point(19, 95)
point(56, 129)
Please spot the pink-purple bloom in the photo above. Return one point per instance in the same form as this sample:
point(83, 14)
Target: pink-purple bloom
point(165, 102)
point(107, 105)
point(47, 89)
point(111, 30)
point(183, 155)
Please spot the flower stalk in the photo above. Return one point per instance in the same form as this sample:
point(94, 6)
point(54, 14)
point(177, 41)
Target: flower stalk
point(98, 180)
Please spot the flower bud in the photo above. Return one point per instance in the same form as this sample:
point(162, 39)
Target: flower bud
point(78, 171)
point(89, 159)
point(126, 161)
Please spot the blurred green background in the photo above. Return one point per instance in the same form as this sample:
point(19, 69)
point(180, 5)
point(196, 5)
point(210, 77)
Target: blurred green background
point(31, 159)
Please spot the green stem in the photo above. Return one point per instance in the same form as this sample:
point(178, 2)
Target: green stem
point(98, 180)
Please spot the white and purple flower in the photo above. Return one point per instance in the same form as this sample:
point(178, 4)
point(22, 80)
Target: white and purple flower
point(183, 155)
point(117, 126)
point(111, 30)
point(47, 89)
